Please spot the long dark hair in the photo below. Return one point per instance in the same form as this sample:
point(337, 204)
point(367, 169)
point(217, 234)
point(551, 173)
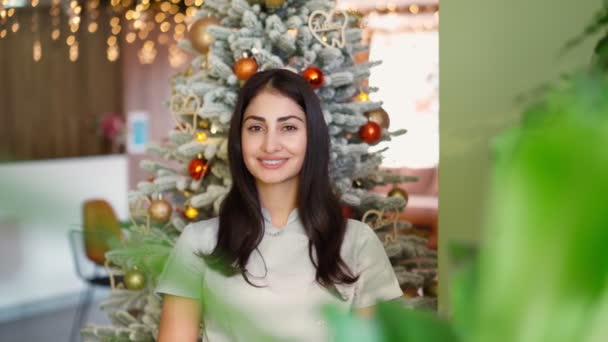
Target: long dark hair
point(240, 219)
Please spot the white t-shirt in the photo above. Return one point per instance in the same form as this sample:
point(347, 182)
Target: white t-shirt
point(288, 305)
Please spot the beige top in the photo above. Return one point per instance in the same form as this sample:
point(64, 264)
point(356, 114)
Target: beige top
point(288, 305)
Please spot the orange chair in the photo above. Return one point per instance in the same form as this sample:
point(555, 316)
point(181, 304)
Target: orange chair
point(89, 245)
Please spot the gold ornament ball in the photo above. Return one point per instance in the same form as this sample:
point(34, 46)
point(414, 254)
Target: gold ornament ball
point(199, 37)
point(379, 116)
point(274, 3)
point(160, 210)
point(191, 212)
point(244, 68)
point(200, 136)
point(363, 96)
point(398, 192)
point(135, 279)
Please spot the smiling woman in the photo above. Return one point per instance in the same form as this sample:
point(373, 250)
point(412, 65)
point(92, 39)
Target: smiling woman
point(280, 248)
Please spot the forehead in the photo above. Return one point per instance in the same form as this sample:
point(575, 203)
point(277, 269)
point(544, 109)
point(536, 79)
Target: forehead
point(272, 104)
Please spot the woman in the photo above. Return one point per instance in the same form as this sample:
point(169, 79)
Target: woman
point(280, 247)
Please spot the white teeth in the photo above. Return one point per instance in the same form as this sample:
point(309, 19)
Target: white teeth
point(273, 162)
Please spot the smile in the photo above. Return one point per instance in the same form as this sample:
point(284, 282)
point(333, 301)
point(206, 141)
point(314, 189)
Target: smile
point(272, 163)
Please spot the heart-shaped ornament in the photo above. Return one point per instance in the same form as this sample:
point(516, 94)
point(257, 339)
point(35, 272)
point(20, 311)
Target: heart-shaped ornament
point(324, 26)
point(184, 105)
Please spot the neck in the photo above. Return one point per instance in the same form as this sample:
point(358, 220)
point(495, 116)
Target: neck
point(279, 200)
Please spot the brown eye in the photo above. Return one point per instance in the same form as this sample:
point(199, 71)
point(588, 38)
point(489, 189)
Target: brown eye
point(254, 128)
point(290, 128)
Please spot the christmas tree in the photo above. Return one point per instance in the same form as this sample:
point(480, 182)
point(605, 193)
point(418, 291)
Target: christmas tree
point(231, 41)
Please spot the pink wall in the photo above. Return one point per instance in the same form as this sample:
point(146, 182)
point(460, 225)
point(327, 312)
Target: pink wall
point(147, 87)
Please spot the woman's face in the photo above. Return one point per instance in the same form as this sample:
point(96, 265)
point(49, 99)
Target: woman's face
point(273, 138)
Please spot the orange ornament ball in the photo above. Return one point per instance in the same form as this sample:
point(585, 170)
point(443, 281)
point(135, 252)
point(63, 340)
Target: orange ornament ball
point(370, 132)
point(244, 68)
point(314, 76)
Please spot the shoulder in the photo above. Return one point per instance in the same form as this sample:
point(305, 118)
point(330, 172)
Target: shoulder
point(358, 235)
point(357, 231)
point(200, 236)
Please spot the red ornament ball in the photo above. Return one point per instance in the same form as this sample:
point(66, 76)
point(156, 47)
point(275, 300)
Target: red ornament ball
point(314, 76)
point(370, 132)
point(347, 211)
point(244, 68)
point(198, 168)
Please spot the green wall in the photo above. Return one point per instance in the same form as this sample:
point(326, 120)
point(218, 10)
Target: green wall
point(491, 51)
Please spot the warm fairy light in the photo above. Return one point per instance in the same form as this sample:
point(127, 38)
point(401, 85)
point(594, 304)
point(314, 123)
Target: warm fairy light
point(10, 12)
point(180, 28)
point(190, 11)
point(163, 39)
point(160, 17)
point(111, 40)
point(174, 9)
point(73, 28)
point(92, 27)
point(198, 3)
point(115, 2)
point(15, 27)
point(136, 15)
point(137, 24)
point(73, 52)
point(116, 30)
point(55, 34)
point(129, 14)
point(414, 9)
point(112, 53)
point(70, 40)
point(2, 14)
point(77, 9)
point(130, 38)
point(143, 34)
point(178, 18)
point(75, 20)
point(37, 51)
point(165, 6)
point(164, 27)
point(147, 53)
point(188, 3)
point(35, 3)
point(114, 21)
point(3, 33)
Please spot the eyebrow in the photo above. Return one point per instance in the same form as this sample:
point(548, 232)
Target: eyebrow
point(281, 119)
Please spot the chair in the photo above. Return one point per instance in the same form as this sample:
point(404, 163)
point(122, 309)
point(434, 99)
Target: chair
point(89, 245)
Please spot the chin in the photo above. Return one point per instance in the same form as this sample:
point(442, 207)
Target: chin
point(274, 179)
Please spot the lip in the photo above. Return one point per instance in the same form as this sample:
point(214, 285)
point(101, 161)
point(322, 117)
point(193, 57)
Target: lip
point(266, 166)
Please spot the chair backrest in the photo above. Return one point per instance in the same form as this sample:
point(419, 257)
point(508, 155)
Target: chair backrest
point(100, 225)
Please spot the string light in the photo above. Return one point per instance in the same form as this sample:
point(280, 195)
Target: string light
point(54, 11)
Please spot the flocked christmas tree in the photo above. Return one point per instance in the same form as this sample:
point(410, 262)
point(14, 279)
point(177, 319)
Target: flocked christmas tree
point(231, 41)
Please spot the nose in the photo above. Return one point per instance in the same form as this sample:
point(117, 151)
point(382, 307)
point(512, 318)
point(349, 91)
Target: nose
point(272, 143)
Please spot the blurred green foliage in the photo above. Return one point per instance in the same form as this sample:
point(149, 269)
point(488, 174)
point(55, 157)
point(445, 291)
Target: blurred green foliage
point(542, 270)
